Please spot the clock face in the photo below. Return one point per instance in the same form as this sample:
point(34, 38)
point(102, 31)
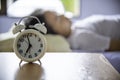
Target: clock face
point(30, 45)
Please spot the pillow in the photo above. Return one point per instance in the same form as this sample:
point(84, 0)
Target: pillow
point(55, 43)
point(21, 8)
point(6, 45)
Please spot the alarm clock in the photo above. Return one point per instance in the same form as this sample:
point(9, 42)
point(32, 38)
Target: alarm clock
point(30, 44)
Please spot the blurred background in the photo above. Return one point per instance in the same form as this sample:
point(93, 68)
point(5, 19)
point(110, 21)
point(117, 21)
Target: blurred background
point(75, 9)
point(80, 8)
point(20, 8)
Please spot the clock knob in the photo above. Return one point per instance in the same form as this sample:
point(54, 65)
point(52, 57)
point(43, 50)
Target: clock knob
point(40, 27)
point(17, 28)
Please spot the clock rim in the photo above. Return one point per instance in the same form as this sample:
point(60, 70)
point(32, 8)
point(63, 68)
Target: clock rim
point(40, 36)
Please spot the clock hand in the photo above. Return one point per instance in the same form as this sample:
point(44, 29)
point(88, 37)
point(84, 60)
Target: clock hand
point(28, 40)
point(29, 45)
point(27, 49)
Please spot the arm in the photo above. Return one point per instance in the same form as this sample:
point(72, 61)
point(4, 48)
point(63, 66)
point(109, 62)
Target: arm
point(87, 40)
point(98, 42)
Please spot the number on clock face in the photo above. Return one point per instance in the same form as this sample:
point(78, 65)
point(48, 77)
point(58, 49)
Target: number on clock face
point(29, 45)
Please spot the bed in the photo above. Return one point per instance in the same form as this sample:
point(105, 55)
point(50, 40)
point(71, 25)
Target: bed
point(56, 43)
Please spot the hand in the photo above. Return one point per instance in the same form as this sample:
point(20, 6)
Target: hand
point(29, 45)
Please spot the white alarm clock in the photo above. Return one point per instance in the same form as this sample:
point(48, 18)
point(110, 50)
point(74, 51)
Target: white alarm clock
point(30, 43)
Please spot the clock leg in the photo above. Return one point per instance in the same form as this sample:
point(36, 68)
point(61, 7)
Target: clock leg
point(20, 63)
point(39, 61)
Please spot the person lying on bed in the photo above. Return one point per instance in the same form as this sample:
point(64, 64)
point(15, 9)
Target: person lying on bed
point(91, 34)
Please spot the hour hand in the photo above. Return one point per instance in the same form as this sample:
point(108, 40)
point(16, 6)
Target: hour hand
point(29, 47)
point(28, 40)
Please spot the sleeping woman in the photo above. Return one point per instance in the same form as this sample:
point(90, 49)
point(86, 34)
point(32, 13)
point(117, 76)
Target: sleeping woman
point(95, 33)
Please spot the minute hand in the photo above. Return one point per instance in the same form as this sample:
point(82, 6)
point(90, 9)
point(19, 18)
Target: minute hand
point(29, 45)
point(28, 40)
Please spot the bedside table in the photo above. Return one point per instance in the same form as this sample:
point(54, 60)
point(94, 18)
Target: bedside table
point(58, 66)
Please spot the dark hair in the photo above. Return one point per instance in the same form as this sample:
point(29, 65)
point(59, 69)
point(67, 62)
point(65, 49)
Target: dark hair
point(40, 15)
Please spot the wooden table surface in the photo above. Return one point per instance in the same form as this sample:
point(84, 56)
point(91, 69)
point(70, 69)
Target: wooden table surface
point(58, 66)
